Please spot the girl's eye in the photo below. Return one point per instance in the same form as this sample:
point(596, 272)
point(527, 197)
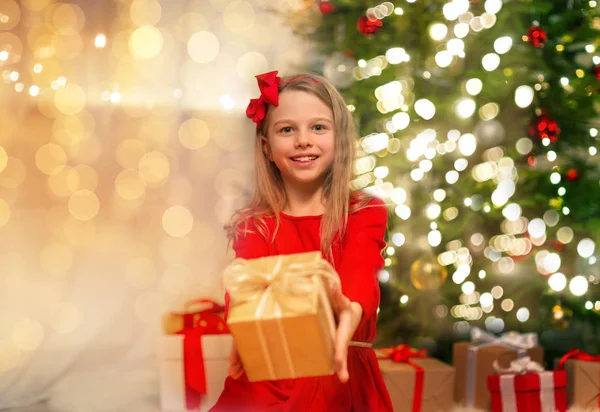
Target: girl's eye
point(319, 127)
point(286, 129)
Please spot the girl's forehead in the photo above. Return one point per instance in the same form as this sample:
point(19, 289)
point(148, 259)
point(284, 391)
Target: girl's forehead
point(300, 103)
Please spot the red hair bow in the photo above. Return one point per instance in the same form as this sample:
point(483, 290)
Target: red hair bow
point(256, 111)
point(268, 84)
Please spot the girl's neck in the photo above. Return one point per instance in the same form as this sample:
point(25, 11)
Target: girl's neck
point(304, 202)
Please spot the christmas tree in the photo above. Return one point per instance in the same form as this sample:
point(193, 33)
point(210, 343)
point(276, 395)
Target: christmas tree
point(479, 126)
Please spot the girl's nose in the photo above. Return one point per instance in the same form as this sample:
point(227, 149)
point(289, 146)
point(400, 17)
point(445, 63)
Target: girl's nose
point(303, 138)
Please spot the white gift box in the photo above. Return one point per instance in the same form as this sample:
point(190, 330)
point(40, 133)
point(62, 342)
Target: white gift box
point(215, 351)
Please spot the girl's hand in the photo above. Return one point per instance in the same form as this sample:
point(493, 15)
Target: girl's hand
point(349, 315)
point(236, 369)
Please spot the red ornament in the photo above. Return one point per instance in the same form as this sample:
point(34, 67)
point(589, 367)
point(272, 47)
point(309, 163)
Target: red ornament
point(368, 26)
point(326, 8)
point(572, 174)
point(544, 127)
point(596, 71)
point(536, 36)
point(532, 161)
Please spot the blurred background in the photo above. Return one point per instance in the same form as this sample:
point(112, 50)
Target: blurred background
point(124, 148)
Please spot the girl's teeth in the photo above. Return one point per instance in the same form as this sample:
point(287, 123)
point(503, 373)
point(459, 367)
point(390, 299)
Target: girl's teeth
point(304, 159)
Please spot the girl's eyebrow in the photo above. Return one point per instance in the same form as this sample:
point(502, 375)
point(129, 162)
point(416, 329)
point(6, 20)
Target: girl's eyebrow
point(314, 119)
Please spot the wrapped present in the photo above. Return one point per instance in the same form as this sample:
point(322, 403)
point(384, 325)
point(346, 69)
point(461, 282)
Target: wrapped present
point(184, 387)
point(280, 315)
point(526, 387)
point(583, 378)
point(415, 382)
point(193, 357)
point(474, 362)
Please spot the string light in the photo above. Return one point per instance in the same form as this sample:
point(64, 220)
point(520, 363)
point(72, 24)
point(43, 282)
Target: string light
point(523, 315)
point(578, 285)
point(490, 61)
point(524, 96)
point(438, 31)
point(503, 45)
point(425, 108)
point(100, 41)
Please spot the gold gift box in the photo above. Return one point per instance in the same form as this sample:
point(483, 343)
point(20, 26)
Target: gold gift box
point(280, 315)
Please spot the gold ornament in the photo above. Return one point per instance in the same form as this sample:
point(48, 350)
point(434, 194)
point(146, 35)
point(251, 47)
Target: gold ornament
point(561, 317)
point(427, 274)
point(556, 203)
point(306, 20)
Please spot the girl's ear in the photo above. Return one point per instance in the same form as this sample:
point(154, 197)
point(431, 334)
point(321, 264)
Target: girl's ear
point(266, 147)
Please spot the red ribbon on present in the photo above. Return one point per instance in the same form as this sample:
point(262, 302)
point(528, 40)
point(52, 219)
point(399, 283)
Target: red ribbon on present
point(576, 354)
point(403, 354)
point(196, 324)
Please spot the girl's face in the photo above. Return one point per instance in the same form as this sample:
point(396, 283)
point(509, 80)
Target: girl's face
point(300, 138)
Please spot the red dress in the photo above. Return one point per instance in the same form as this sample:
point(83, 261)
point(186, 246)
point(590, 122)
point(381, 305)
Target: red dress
point(357, 260)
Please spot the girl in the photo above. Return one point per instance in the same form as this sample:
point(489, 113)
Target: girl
point(304, 150)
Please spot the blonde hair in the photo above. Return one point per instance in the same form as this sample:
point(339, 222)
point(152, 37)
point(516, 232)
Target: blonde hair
point(269, 197)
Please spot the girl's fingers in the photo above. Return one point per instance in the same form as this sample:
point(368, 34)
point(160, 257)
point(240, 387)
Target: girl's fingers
point(342, 341)
point(236, 369)
point(233, 355)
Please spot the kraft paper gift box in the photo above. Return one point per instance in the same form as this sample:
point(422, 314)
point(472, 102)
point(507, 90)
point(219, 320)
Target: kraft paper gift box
point(473, 362)
point(583, 379)
point(527, 387)
point(176, 394)
point(417, 383)
point(280, 315)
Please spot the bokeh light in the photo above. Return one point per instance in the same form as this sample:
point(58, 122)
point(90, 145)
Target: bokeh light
point(557, 282)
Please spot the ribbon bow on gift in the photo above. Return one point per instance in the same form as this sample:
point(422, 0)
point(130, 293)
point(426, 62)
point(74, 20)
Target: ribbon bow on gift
point(576, 354)
point(268, 84)
point(519, 366)
point(278, 286)
point(278, 283)
point(519, 341)
point(403, 354)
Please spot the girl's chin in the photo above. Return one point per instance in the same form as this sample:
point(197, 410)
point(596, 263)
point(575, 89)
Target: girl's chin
point(305, 179)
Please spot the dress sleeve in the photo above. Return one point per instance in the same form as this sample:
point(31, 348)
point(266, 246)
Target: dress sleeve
point(250, 244)
point(361, 258)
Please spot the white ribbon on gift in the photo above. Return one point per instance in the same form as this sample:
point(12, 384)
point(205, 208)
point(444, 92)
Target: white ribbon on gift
point(520, 367)
point(480, 338)
point(522, 341)
point(312, 274)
